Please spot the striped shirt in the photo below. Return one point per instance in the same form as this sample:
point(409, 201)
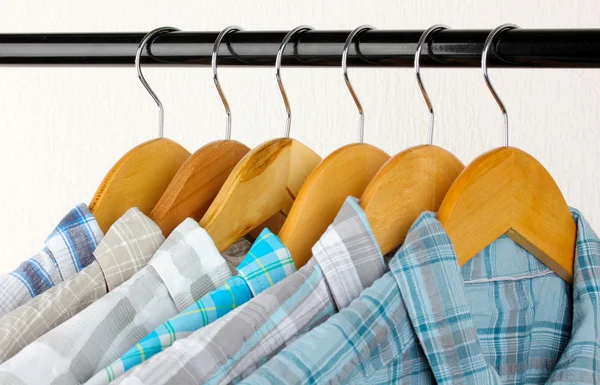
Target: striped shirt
point(503, 318)
point(67, 251)
point(345, 261)
point(267, 263)
point(127, 247)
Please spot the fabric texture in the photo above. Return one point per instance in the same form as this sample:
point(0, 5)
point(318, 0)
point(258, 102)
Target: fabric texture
point(267, 263)
point(186, 266)
point(345, 261)
point(236, 253)
point(67, 251)
point(127, 247)
point(134, 238)
point(512, 321)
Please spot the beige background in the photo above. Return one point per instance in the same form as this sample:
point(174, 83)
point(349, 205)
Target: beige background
point(63, 128)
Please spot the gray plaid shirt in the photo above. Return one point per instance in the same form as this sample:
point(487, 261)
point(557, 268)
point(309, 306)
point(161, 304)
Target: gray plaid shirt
point(186, 267)
point(345, 261)
point(127, 247)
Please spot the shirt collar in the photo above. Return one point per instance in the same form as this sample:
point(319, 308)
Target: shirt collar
point(429, 279)
point(268, 261)
point(580, 358)
point(428, 276)
point(348, 254)
point(189, 264)
point(127, 247)
point(73, 241)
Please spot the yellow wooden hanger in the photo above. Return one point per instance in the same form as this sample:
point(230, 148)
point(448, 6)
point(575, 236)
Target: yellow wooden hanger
point(413, 181)
point(198, 181)
point(265, 182)
point(141, 176)
point(345, 172)
point(507, 191)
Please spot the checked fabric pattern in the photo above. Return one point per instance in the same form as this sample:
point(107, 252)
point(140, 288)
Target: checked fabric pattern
point(125, 249)
point(187, 266)
point(503, 318)
point(267, 263)
point(67, 251)
point(345, 261)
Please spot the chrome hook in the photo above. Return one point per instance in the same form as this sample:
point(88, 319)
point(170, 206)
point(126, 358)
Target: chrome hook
point(286, 39)
point(147, 38)
point(423, 40)
point(213, 62)
point(486, 47)
point(349, 40)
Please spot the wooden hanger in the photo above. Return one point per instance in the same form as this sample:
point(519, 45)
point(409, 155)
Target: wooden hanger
point(141, 176)
point(413, 181)
point(345, 172)
point(265, 182)
point(507, 191)
point(199, 180)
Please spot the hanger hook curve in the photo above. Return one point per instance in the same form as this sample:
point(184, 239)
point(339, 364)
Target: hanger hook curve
point(423, 40)
point(148, 38)
point(213, 62)
point(349, 41)
point(486, 47)
point(286, 39)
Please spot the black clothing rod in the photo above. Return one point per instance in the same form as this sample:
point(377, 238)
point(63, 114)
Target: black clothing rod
point(519, 48)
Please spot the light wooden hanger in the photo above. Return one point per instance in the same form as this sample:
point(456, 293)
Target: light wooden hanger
point(345, 172)
point(507, 191)
point(142, 175)
point(198, 181)
point(265, 182)
point(413, 181)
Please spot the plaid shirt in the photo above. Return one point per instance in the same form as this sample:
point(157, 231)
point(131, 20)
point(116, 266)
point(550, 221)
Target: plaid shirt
point(67, 251)
point(186, 266)
point(345, 261)
point(513, 321)
point(127, 247)
point(267, 263)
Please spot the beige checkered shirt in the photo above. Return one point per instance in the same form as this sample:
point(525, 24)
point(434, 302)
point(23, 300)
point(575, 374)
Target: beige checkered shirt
point(126, 248)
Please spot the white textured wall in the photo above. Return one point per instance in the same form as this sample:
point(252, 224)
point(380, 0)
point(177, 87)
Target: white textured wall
point(62, 129)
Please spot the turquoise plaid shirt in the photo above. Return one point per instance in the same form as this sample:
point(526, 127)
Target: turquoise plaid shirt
point(267, 263)
point(508, 319)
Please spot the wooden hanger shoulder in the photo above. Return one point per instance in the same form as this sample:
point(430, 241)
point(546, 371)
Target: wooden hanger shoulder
point(138, 179)
point(345, 172)
point(411, 182)
point(263, 183)
point(196, 183)
point(507, 191)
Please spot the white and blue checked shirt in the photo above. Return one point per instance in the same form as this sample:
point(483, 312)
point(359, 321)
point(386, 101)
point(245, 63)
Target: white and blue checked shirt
point(508, 320)
point(67, 251)
point(267, 263)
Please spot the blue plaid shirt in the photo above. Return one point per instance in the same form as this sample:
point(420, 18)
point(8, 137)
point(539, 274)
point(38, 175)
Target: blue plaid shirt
point(67, 251)
point(267, 263)
point(508, 319)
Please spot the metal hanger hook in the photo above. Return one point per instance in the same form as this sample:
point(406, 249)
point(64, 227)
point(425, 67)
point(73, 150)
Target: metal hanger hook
point(148, 38)
point(422, 41)
point(349, 41)
point(486, 47)
point(286, 39)
point(213, 62)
